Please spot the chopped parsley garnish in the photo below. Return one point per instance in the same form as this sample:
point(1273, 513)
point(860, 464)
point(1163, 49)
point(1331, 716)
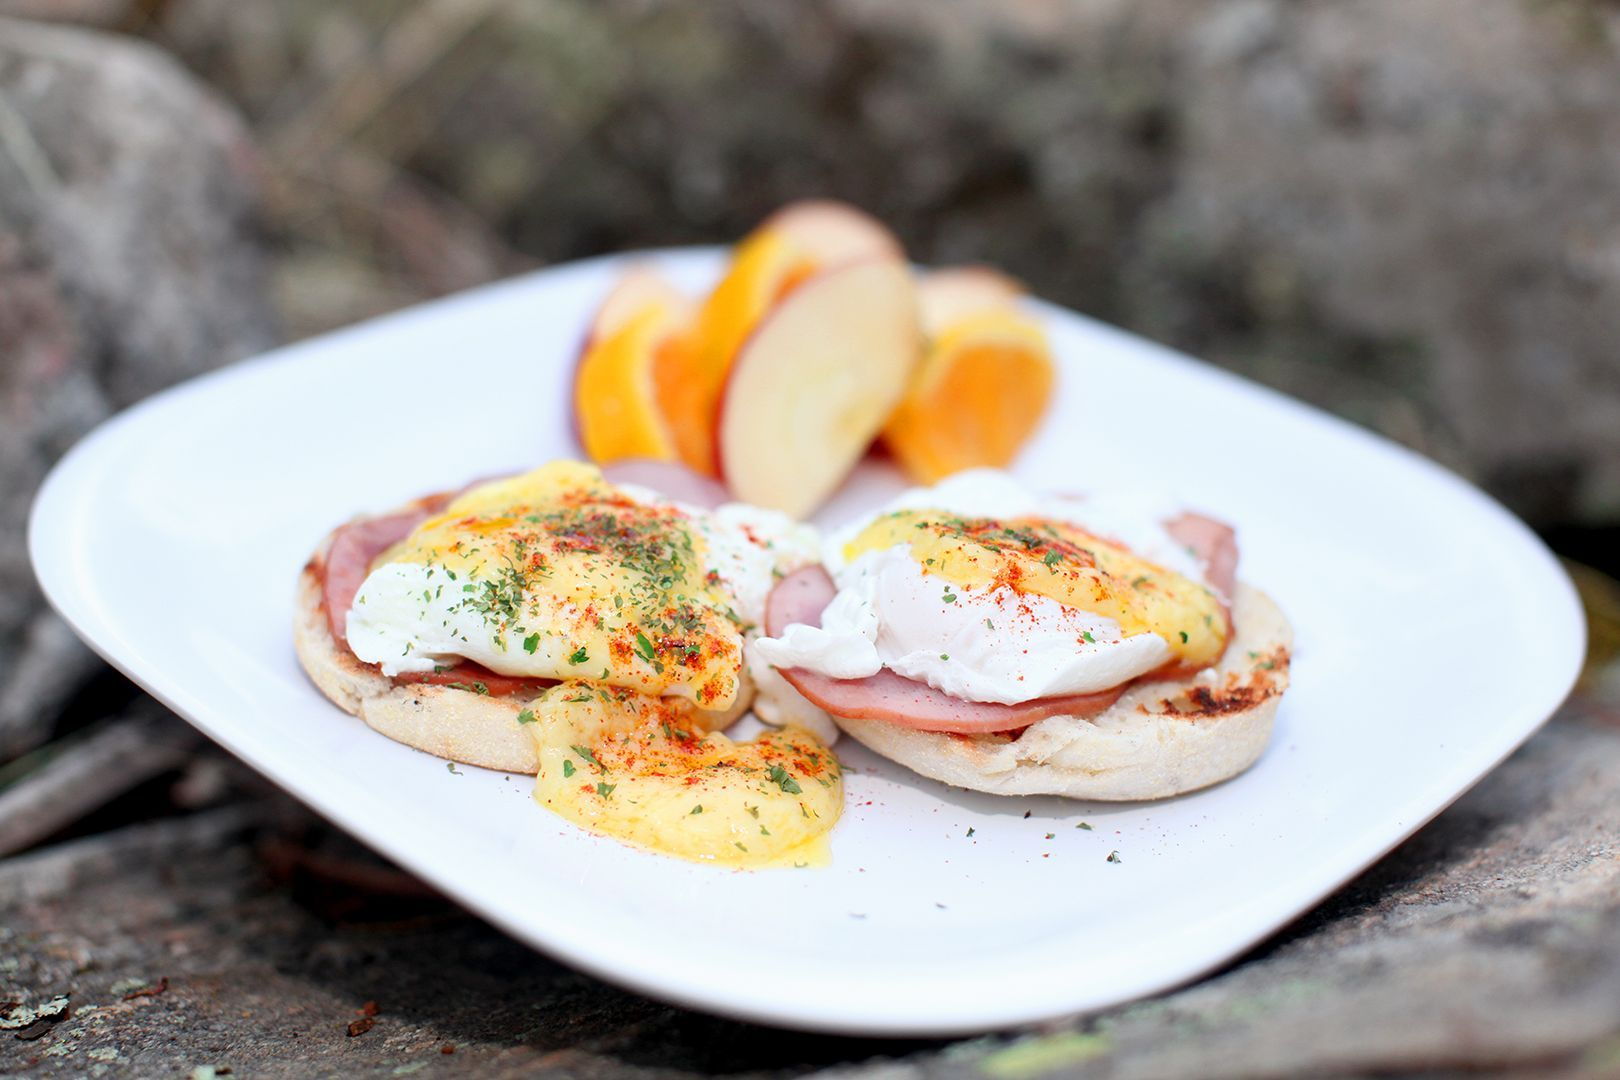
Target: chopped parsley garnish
point(779, 776)
point(1052, 559)
point(604, 789)
point(499, 599)
point(1113, 856)
point(698, 809)
point(568, 768)
point(526, 716)
point(584, 753)
point(578, 656)
point(971, 830)
point(644, 647)
point(1086, 634)
point(1184, 637)
point(944, 656)
point(451, 766)
point(1083, 825)
point(531, 643)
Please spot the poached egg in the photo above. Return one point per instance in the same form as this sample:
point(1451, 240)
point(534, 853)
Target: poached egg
point(990, 592)
point(558, 574)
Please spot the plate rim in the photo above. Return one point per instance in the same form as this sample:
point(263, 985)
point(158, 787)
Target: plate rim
point(53, 502)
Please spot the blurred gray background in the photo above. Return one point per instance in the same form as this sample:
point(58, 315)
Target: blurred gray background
point(1405, 211)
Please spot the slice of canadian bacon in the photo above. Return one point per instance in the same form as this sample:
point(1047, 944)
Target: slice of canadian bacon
point(354, 546)
point(1214, 543)
point(669, 479)
point(348, 560)
point(803, 595)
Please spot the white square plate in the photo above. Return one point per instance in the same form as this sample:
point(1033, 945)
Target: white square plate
point(1434, 634)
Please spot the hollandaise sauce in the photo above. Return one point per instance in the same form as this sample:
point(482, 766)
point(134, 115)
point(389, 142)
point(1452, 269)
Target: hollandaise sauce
point(1060, 560)
point(644, 770)
point(556, 574)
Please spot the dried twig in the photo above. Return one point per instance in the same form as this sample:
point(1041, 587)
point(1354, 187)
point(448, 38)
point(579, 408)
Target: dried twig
point(53, 665)
point(18, 144)
point(58, 870)
point(97, 769)
point(156, 989)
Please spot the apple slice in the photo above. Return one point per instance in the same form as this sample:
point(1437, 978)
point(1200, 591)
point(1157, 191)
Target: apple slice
point(833, 233)
point(787, 249)
point(812, 386)
point(945, 296)
point(631, 368)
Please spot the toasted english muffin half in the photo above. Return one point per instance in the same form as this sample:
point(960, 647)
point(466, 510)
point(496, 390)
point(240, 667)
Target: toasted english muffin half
point(1160, 739)
point(458, 725)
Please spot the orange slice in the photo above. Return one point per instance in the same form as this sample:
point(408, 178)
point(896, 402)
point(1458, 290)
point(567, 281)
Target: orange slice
point(632, 371)
point(985, 381)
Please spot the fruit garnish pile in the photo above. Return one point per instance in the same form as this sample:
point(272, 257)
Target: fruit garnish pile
point(818, 341)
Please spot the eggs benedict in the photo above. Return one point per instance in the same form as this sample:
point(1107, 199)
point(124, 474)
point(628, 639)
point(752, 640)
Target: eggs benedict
point(590, 632)
point(1006, 641)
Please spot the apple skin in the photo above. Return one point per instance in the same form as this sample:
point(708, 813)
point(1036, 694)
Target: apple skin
point(944, 296)
point(670, 479)
point(818, 311)
point(834, 233)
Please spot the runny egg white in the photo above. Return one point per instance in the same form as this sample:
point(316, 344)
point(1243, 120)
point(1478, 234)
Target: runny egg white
point(990, 592)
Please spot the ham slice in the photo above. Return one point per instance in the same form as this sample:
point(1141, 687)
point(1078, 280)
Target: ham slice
point(348, 560)
point(1214, 543)
point(354, 546)
point(477, 678)
point(669, 480)
point(804, 594)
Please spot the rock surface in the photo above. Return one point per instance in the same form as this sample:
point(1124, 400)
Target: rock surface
point(128, 261)
point(249, 936)
point(1402, 208)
